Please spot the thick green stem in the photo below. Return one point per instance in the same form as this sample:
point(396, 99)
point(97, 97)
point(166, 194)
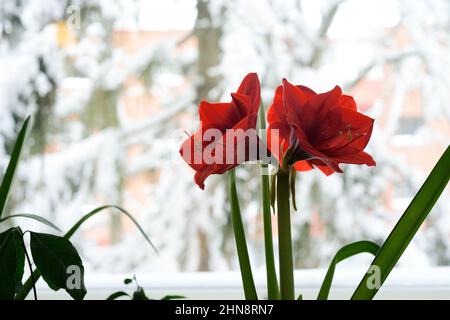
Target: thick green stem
point(273, 291)
point(28, 285)
point(29, 266)
point(241, 244)
point(284, 236)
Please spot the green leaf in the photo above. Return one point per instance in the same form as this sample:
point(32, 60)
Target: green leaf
point(117, 294)
point(56, 259)
point(273, 191)
point(407, 226)
point(173, 297)
point(292, 180)
point(8, 178)
point(31, 216)
point(241, 244)
point(139, 294)
point(12, 259)
point(29, 283)
point(344, 253)
point(77, 225)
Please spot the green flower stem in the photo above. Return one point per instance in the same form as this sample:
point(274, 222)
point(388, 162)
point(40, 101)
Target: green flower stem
point(273, 291)
point(284, 236)
point(28, 285)
point(241, 244)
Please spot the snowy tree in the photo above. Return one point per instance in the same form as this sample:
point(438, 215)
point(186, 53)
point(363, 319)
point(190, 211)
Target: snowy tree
point(86, 151)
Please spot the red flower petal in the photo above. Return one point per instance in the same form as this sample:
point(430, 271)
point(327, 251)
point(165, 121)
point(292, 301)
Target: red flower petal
point(218, 115)
point(356, 135)
point(328, 129)
point(357, 158)
point(250, 87)
point(276, 110)
point(326, 169)
point(302, 166)
point(307, 91)
point(347, 102)
point(209, 157)
point(232, 149)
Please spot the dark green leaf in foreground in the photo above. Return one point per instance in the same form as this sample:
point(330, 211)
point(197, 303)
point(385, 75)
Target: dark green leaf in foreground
point(22, 294)
point(59, 263)
point(139, 294)
point(12, 259)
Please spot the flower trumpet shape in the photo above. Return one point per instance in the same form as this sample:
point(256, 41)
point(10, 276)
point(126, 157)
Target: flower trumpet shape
point(319, 130)
point(227, 136)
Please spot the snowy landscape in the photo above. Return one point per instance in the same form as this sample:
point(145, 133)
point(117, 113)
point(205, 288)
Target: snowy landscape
point(113, 87)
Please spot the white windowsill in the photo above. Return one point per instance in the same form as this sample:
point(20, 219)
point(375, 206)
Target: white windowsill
point(428, 283)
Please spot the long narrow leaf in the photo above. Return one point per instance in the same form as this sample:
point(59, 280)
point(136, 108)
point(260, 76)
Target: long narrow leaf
point(273, 291)
point(173, 297)
point(407, 226)
point(77, 225)
point(241, 244)
point(8, 178)
point(117, 294)
point(31, 216)
point(344, 253)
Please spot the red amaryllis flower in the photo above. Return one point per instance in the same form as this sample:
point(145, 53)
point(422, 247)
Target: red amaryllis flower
point(227, 136)
point(321, 130)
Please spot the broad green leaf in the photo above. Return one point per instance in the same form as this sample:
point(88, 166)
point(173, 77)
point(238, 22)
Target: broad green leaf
point(241, 243)
point(117, 294)
point(344, 253)
point(139, 294)
point(59, 263)
point(12, 259)
point(31, 216)
point(405, 229)
point(29, 283)
point(8, 178)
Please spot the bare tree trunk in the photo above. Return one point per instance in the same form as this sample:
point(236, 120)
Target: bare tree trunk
point(208, 33)
point(208, 30)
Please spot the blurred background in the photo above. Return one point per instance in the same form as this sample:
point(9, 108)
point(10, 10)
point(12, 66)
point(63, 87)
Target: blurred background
point(113, 86)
